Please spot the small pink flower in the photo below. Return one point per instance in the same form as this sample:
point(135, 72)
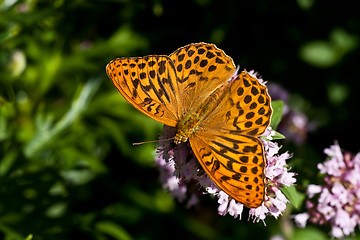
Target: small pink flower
point(334, 165)
point(235, 209)
point(340, 194)
point(259, 213)
point(313, 189)
point(301, 219)
point(337, 232)
point(336, 203)
point(223, 201)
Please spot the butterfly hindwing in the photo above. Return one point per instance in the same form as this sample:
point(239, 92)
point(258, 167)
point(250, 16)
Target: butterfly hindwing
point(243, 108)
point(149, 84)
point(253, 105)
point(235, 164)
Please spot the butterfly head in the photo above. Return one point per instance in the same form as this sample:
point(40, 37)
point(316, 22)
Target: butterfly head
point(180, 137)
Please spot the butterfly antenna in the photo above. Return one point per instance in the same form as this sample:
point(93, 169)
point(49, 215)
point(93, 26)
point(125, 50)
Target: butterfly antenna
point(160, 140)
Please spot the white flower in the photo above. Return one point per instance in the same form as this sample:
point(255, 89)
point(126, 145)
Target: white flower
point(312, 190)
point(301, 219)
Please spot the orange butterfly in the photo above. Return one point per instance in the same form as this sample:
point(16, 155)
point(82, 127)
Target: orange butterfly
point(192, 89)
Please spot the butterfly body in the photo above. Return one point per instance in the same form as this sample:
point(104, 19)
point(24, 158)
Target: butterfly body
point(186, 127)
point(194, 89)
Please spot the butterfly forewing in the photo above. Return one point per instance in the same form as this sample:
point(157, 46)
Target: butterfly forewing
point(201, 68)
point(149, 84)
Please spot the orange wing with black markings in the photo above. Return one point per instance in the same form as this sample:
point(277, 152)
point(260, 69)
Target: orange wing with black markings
point(149, 84)
point(193, 90)
point(227, 144)
point(201, 69)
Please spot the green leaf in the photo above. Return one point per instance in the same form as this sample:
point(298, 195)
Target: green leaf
point(9, 33)
point(163, 201)
point(201, 229)
point(29, 237)
point(277, 107)
point(112, 229)
point(308, 233)
point(278, 136)
point(7, 161)
point(296, 198)
point(7, 93)
point(56, 210)
point(46, 132)
point(3, 127)
point(319, 54)
point(10, 233)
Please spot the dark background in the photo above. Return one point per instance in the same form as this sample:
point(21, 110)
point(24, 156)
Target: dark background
point(67, 166)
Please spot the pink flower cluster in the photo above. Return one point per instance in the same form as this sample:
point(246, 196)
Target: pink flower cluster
point(336, 203)
point(277, 176)
point(181, 174)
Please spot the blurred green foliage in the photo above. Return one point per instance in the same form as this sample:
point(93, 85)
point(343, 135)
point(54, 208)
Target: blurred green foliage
point(67, 166)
